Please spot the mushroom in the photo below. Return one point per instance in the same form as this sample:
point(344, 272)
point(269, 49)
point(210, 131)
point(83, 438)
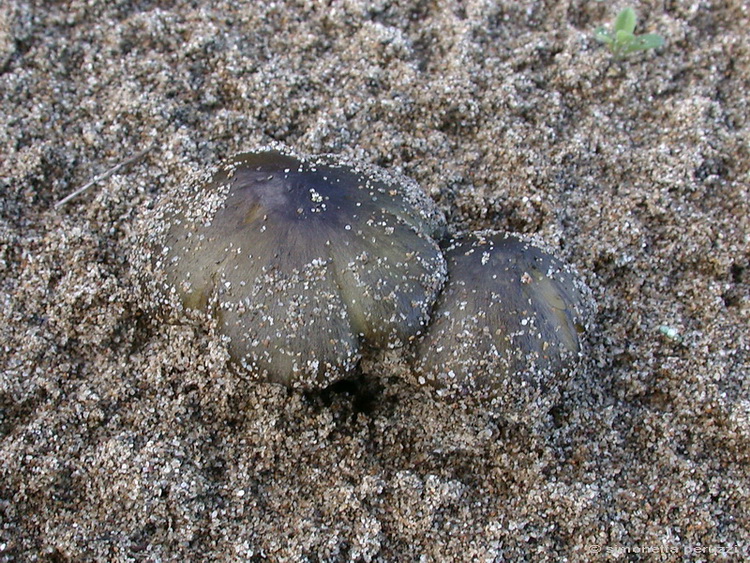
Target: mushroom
point(302, 260)
point(506, 325)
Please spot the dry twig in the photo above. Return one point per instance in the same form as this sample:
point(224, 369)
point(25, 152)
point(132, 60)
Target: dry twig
point(103, 176)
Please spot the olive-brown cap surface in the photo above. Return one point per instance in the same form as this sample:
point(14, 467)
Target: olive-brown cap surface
point(506, 325)
point(303, 260)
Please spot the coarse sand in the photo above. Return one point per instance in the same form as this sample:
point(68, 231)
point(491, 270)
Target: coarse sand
point(126, 437)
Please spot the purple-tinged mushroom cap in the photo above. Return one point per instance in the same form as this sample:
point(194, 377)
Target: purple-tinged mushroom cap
point(506, 326)
point(302, 260)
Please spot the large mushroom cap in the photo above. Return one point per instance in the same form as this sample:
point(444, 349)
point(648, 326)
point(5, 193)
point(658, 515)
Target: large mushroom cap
point(506, 324)
point(302, 259)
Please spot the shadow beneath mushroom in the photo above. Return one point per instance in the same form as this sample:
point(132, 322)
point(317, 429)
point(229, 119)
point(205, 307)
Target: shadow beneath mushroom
point(358, 395)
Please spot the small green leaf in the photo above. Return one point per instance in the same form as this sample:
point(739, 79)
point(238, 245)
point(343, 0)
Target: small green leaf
point(625, 21)
point(645, 41)
point(624, 38)
point(604, 35)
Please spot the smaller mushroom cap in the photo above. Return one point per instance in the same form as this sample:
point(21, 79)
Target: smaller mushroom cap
point(302, 260)
point(506, 325)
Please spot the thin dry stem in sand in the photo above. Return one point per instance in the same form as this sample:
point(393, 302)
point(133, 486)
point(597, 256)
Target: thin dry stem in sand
point(103, 176)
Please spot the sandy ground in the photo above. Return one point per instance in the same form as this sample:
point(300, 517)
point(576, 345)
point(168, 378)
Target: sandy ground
point(127, 438)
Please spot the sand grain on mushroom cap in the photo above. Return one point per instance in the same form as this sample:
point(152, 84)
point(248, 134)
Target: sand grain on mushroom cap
point(303, 260)
point(506, 325)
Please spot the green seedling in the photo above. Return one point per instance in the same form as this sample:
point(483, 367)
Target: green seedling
point(621, 39)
